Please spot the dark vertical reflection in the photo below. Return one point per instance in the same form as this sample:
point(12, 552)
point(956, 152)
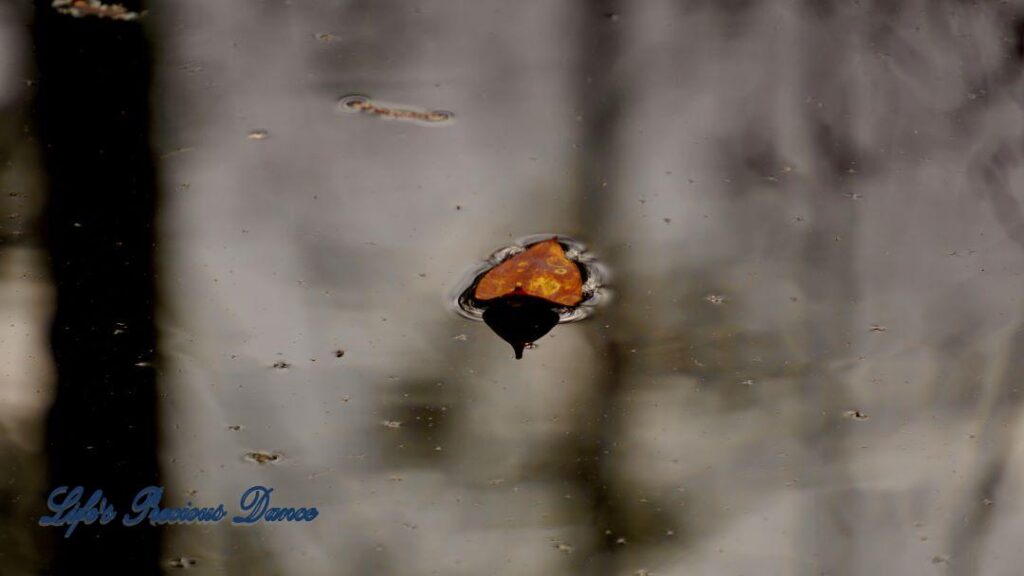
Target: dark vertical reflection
point(92, 116)
point(830, 285)
point(600, 101)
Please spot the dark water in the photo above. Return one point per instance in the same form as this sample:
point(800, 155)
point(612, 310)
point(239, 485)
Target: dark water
point(808, 362)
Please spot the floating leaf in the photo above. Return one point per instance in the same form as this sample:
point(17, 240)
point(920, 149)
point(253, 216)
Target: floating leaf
point(542, 271)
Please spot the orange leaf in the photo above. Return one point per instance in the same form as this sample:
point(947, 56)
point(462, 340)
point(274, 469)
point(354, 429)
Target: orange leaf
point(542, 271)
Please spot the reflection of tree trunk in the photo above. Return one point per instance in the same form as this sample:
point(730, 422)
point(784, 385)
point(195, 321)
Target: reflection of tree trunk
point(92, 113)
point(600, 106)
point(829, 286)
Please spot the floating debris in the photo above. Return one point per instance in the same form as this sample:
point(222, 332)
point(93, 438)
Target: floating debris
point(326, 37)
point(563, 547)
point(877, 328)
point(82, 8)
point(393, 424)
point(855, 415)
point(356, 103)
point(235, 427)
point(716, 299)
point(258, 135)
point(182, 562)
point(522, 291)
point(260, 457)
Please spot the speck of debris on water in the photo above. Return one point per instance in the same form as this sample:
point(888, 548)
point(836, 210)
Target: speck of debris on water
point(182, 562)
point(258, 135)
point(715, 299)
point(877, 328)
point(460, 338)
point(326, 37)
point(235, 427)
point(563, 547)
point(339, 353)
point(281, 365)
point(393, 424)
point(940, 559)
point(262, 457)
point(855, 415)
